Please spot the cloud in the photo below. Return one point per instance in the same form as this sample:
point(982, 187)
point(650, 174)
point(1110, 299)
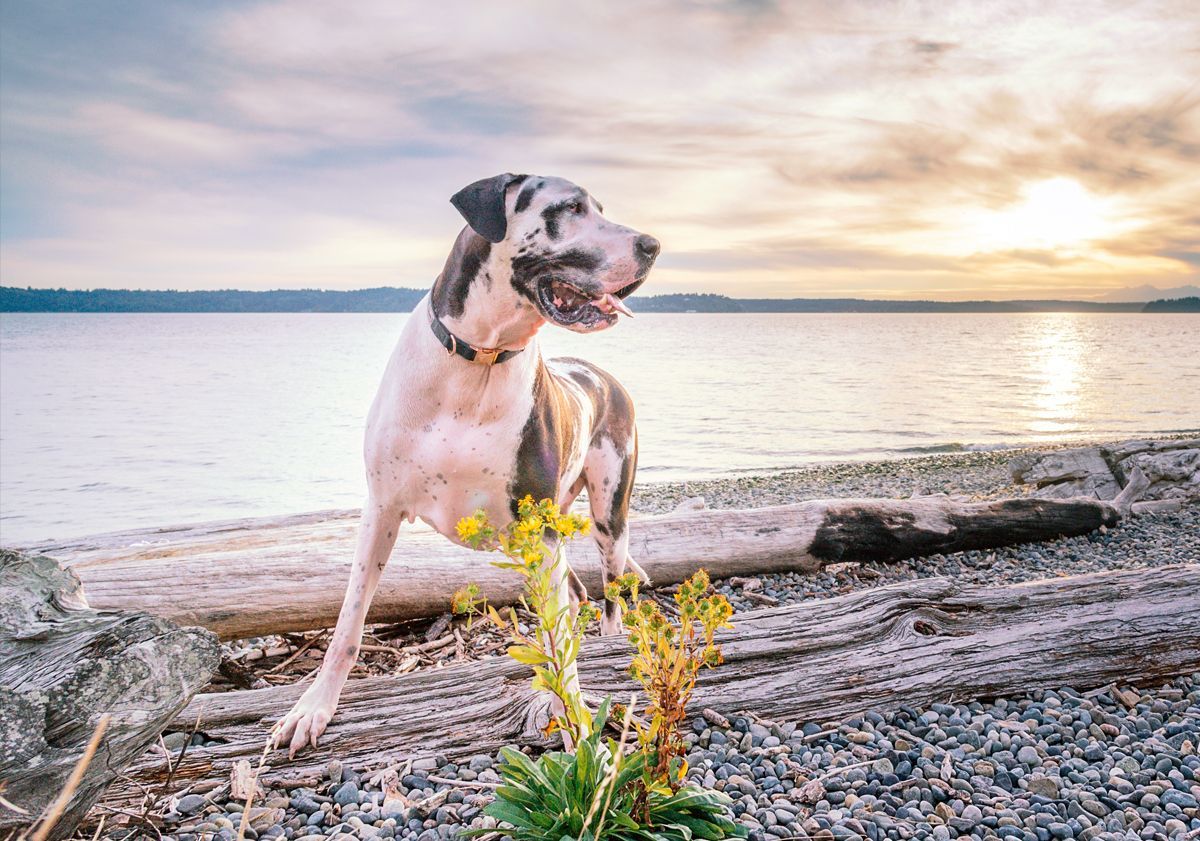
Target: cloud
point(784, 147)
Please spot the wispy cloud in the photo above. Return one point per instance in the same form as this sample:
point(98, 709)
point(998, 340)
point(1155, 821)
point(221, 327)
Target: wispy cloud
point(777, 149)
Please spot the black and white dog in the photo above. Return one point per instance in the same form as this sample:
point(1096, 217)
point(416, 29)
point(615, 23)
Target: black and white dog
point(469, 415)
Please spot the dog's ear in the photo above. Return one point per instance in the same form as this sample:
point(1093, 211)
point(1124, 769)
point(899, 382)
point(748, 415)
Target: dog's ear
point(482, 205)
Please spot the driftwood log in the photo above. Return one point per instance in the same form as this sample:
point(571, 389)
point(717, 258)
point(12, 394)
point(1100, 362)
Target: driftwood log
point(63, 667)
point(910, 643)
point(249, 577)
point(1170, 469)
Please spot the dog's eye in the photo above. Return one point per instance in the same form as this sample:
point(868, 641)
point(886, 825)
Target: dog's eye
point(577, 207)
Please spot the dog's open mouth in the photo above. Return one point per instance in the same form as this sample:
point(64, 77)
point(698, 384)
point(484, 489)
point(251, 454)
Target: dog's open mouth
point(569, 305)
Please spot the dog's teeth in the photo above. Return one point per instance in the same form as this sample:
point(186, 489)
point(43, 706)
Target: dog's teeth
point(617, 304)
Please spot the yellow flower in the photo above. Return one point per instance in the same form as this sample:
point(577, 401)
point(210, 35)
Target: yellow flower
point(468, 527)
point(525, 507)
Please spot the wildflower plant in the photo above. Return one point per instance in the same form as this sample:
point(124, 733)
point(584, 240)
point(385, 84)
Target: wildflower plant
point(597, 791)
point(592, 795)
point(533, 546)
point(667, 659)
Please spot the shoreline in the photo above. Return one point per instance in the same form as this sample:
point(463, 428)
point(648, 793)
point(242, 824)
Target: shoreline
point(976, 474)
point(970, 474)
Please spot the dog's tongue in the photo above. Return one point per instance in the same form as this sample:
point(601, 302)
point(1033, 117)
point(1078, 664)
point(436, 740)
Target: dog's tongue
point(611, 302)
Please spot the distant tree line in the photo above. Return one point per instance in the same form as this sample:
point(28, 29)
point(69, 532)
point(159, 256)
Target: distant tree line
point(1191, 304)
point(381, 299)
point(722, 303)
point(395, 299)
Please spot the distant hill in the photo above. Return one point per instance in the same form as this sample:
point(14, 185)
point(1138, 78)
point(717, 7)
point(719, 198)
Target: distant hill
point(721, 303)
point(1191, 304)
point(393, 299)
point(381, 299)
point(1147, 293)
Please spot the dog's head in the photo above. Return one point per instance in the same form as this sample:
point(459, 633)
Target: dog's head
point(549, 241)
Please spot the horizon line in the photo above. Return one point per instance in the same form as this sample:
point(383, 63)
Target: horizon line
point(660, 295)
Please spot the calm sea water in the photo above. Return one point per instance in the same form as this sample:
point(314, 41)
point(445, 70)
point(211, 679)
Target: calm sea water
point(124, 420)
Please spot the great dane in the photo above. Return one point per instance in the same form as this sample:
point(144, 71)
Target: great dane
point(471, 416)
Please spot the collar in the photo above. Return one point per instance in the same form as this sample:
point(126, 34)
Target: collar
point(453, 345)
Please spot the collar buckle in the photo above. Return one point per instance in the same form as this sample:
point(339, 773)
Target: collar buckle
point(456, 346)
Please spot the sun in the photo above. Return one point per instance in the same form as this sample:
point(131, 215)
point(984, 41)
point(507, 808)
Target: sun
point(1054, 214)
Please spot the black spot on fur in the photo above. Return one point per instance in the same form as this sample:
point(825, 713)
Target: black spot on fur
point(551, 216)
point(582, 379)
point(619, 510)
point(462, 267)
point(527, 268)
point(546, 440)
point(526, 196)
point(614, 413)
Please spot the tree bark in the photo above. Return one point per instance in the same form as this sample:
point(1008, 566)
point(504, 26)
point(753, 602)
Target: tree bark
point(250, 577)
point(910, 643)
point(62, 667)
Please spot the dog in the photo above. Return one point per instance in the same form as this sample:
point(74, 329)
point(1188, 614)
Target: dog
point(470, 416)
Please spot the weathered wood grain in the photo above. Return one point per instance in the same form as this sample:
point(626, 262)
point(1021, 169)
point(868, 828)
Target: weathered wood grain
point(62, 667)
point(1170, 467)
point(1067, 473)
point(908, 643)
point(249, 577)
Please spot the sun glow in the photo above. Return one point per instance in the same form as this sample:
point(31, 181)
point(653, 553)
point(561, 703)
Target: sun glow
point(1056, 214)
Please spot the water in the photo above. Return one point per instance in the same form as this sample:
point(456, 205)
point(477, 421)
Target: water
point(124, 420)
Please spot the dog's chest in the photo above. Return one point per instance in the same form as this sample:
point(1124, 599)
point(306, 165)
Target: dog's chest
point(445, 450)
point(444, 442)
point(459, 467)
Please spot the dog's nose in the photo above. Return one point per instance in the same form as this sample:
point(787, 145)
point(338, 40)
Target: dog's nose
point(647, 246)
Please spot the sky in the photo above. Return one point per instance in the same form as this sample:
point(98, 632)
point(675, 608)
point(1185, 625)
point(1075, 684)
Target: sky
point(947, 150)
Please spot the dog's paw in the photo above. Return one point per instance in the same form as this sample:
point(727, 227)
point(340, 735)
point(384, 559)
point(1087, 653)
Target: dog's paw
point(306, 721)
point(631, 564)
point(610, 624)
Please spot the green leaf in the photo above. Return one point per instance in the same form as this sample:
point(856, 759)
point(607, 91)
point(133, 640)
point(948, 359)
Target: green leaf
point(517, 767)
point(510, 813)
point(601, 717)
point(585, 767)
point(622, 819)
point(519, 795)
point(527, 654)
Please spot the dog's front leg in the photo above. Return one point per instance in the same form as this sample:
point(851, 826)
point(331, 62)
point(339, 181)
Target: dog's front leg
point(308, 718)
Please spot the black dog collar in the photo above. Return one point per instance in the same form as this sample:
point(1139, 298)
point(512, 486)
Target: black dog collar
point(453, 344)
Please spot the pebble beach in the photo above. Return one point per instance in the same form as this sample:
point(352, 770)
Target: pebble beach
point(1066, 762)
